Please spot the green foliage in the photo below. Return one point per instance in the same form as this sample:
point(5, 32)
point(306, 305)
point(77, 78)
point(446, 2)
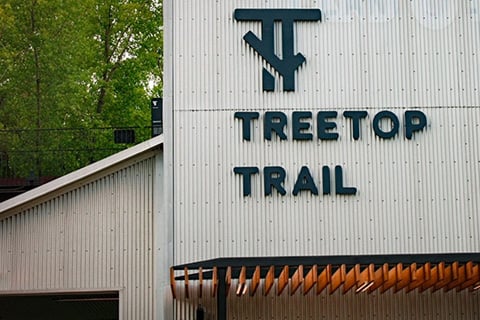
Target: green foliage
point(74, 64)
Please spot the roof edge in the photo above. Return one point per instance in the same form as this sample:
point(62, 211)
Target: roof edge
point(377, 259)
point(80, 174)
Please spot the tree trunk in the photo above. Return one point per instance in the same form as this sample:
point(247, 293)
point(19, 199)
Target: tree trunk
point(106, 60)
point(36, 57)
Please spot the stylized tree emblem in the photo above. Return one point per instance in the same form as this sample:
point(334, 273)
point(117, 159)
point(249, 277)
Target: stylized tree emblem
point(289, 62)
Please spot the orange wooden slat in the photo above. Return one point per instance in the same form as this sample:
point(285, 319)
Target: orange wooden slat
point(242, 282)
point(469, 269)
point(187, 293)
point(371, 277)
point(391, 278)
point(324, 278)
point(297, 280)
point(172, 283)
point(379, 277)
point(441, 270)
point(338, 278)
point(243, 275)
point(419, 277)
point(200, 282)
point(431, 278)
point(413, 271)
point(473, 277)
point(351, 278)
point(310, 279)
point(404, 277)
point(461, 274)
point(366, 279)
point(282, 280)
point(371, 271)
point(255, 281)
point(228, 280)
point(470, 279)
point(455, 273)
point(269, 280)
point(447, 278)
point(386, 270)
point(214, 281)
point(427, 270)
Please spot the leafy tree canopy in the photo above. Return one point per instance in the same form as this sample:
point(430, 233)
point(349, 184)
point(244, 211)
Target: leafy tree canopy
point(74, 64)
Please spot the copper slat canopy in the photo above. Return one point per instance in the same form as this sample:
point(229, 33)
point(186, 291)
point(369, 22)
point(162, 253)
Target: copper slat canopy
point(300, 275)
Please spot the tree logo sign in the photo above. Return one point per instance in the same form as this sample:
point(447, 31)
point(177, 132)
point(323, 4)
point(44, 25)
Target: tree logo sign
point(289, 62)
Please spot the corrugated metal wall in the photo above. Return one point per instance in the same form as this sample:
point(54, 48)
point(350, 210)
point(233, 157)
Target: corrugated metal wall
point(369, 53)
point(98, 236)
point(438, 305)
point(413, 196)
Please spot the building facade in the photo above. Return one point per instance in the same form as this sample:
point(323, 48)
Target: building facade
point(323, 128)
point(319, 160)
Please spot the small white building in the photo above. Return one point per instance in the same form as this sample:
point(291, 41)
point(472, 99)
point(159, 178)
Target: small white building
point(90, 245)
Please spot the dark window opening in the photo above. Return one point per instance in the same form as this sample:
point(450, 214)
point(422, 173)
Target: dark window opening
point(85, 306)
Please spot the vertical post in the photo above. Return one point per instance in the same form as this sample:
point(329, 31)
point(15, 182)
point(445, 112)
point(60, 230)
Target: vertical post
point(221, 295)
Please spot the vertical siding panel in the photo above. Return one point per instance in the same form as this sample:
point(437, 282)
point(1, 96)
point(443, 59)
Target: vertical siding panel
point(414, 195)
point(361, 58)
point(95, 237)
point(353, 306)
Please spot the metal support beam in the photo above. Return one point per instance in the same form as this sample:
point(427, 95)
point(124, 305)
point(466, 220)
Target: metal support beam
point(378, 260)
point(222, 295)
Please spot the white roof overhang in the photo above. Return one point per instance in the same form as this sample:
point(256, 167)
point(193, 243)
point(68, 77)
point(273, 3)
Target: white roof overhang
point(16, 204)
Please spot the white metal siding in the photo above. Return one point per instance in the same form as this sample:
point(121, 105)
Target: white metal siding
point(364, 53)
point(414, 196)
point(98, 236)
point(427, 305)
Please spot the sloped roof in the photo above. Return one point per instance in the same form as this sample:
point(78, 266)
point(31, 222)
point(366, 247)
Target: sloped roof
point(80, 174)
